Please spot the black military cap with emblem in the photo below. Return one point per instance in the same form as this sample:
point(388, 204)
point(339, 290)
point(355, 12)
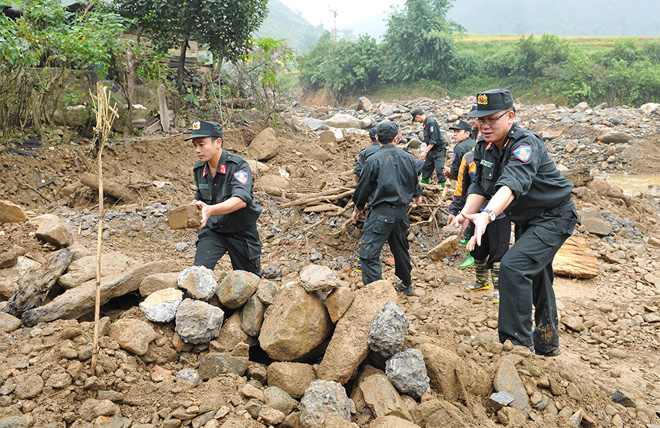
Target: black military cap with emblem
point(416, 112)
point(387, 131)
point(373, 132)
point(203, 128)
point(462, 125)
point(491, 102)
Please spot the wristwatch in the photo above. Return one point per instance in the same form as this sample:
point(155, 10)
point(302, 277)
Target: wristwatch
point(491, 215)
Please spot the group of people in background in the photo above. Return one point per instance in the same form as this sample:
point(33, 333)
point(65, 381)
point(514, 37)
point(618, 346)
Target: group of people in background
point(503, 174)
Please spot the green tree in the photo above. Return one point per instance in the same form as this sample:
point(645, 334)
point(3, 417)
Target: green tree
point(418, 41)
point(225, 26)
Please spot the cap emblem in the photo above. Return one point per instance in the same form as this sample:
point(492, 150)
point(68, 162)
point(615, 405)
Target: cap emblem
point(196, 125)
point(482, 99)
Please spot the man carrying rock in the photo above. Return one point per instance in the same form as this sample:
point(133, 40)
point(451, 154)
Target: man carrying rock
point(435, 152)
point(515, 171)
point(388, 184)
point(224, 194)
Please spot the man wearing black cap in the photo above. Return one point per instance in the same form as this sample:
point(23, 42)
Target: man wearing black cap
point(388, 184)
point(224, 193)
point(464, 143)
point(515, 171)
point(366, 152)
point(435, 152)
point(474, 132)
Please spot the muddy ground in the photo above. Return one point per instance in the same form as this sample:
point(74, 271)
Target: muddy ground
point(610, 324)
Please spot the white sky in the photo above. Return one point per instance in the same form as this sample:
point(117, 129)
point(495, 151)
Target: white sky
point(348, 11)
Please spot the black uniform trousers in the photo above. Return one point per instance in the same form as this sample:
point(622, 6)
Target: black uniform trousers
point(385, 223)
point(244, 249)
point(435, 159)
point(526, 278)
point(494, 242)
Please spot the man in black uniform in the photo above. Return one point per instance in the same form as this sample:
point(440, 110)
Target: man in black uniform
point(435, 152)
point(474, 132)
point(388, 184)
point(464, 144)
point(224, 193)
point(366, 152)
point(515, 171)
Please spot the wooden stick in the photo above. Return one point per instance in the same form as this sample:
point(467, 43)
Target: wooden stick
point(326, 195)
point(105, 115)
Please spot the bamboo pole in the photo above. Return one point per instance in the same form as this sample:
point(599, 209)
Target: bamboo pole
point(105, 115)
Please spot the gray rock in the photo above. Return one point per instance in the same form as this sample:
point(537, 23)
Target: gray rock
point(215, 364)
point(315, 124)
point(267, 291)
point(497, 400)
point(236, 288)
point(322, 399)
point(15, 422)
point(198, 282)
point(278, 399)
point(507, 380)
point(252, 316)
point(198, 322)
point(189, 375)
point(181, 246)
point(614, 137)
point(162, 305)
point(388, 330)
point(343, 120)
point(621, 398)
point(407, 372)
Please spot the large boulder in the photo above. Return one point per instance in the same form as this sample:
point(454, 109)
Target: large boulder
point(11, 213)
point(297, 323)
point(84, 268)
point(349, 345)
point(343, 120)
point(236, 288)
point(265, 145)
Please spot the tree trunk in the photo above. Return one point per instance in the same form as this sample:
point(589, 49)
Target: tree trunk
point(182, 64)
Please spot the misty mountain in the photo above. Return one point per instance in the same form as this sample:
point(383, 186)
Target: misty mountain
point(283, 23)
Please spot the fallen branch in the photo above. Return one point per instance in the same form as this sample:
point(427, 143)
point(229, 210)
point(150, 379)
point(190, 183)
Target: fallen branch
point(328, 195)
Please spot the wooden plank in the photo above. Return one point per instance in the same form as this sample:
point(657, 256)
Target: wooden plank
point(162, 107)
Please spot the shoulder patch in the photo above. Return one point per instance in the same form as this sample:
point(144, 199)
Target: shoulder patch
point(431, 129)
point(523, 152)
point(241, 176)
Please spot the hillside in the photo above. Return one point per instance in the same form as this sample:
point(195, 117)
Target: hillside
point(283, 23)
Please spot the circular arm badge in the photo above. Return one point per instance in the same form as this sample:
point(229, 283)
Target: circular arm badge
point(241, 176)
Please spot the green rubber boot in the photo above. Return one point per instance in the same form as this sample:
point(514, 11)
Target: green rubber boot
point(469, 261)
point(495, 277)
point(442, 184)
point(425, 180)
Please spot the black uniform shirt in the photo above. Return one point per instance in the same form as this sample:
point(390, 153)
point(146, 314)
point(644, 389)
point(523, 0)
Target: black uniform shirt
point(525, 167)
point(232, 178)
point(432, 135)
point(363, 156)
point(389, 177)
point(459, 151)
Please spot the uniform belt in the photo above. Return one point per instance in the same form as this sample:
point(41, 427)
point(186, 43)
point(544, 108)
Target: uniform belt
point(386, 205)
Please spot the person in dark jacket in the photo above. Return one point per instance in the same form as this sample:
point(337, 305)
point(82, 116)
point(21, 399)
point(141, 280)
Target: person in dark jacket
point(516, 173)
point(388, 184)
point(224, 194)
point(463, 144)
point(366, 152)
point(435, 152)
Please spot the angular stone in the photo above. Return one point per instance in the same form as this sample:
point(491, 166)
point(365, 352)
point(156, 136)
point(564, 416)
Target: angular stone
point(234, 290)
point(252, 316)
point(230, 335)
point(349, 345)
point(161, 306)
point(407, 372)
point(613, 137)
point(343, 120)
point(380, 396)
point(9, 277)
point(292, 378)
point(51, 229)
point(28, 386)
point(266, 292)
point(575, 259)
point(8, 323)
point(83, 269)
point(322, 399)
point(215, 364)
point(366, 104)
point(270, 416)
point(198, 322)
point(338, 302)
point(185, 216)
point(9, 256)
point(158, 281)
point(445, 249)
point(297, 323)
point(265, 145)
point(497, 400)
point(507, 380)
point(574, 323)
point(279, 399)
point(388, 330)
point(392, 421)
point(133, 335)
point(11, 213)
point(319, 278)
point(198, 282)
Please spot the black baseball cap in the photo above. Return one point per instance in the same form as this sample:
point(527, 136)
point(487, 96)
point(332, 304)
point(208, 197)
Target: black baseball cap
point(387, 130)
point(372, 133)
point(462, 125)
point(492, 101)
point(202, 128)
point(416, 112)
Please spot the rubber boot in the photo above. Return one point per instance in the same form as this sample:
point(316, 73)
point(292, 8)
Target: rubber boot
point(495, 278)
point(442, 184)
point(481, 273)
point(424, 180)
point(469, 261)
